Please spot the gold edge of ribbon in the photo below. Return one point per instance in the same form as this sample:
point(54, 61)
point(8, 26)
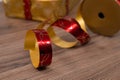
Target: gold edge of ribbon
point(33, 47)
point(80, 19)
point(58, 41)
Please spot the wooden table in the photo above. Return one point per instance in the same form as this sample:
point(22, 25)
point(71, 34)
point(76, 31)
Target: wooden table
point(98, 60)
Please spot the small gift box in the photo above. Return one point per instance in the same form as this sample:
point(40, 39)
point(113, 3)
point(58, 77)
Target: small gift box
point(41, 10)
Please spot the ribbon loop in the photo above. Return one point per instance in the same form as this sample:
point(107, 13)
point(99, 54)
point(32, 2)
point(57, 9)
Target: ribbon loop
point(38, 43)
point(71, 26)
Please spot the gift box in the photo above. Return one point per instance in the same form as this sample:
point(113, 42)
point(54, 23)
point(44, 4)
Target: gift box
point(40, 10)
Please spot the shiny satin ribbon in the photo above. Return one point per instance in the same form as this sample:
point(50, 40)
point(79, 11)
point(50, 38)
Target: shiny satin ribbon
point(37, 41)
point(40, 46)
point(71, 26)
point(56, 39)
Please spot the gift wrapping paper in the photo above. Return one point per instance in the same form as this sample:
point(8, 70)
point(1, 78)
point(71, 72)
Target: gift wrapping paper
point(40, 10)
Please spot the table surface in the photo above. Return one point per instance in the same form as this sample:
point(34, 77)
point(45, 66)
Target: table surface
point(98, 60)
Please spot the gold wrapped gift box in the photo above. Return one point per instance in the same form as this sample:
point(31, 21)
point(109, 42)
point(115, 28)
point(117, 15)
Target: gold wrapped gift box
point(41, 10)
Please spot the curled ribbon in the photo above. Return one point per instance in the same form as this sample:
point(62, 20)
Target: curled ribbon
point(38, 40)
point(38, 43)
point(71, 26)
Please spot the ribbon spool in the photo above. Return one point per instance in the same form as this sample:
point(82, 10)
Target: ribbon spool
point(39, 44)
point(102, 16)
point(71, 26)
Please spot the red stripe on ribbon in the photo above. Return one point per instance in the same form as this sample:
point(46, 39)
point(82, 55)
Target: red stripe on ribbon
point(27, 10)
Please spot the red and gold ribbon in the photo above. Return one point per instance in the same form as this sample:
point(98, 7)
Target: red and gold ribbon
point(39, 44)
point(71, 26)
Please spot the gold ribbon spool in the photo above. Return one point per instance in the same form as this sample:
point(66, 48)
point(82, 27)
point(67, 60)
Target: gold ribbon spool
point(101, 16)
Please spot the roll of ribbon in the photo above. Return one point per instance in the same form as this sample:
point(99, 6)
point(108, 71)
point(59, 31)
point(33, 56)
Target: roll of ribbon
point(102, 16)
point(71, 26)
point(39, 44)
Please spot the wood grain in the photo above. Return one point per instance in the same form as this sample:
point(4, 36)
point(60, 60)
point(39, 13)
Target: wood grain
point(98, 60)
